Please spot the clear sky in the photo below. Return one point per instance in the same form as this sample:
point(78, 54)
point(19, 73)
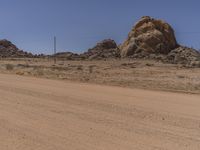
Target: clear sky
point(79, 24)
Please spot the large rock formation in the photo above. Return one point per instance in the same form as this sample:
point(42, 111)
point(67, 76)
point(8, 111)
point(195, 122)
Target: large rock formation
point(9, 50)
point(105, 49)
point(149, 36)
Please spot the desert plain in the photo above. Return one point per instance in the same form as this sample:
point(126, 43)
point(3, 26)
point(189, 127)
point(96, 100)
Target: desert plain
point(98, 105)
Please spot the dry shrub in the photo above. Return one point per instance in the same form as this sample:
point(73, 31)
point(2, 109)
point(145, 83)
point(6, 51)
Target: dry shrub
point(80, 67)
point(91, 69)
point(20, 73)
point(40, 72)
point(9, 67)
point(181, 76)
point(149, 64)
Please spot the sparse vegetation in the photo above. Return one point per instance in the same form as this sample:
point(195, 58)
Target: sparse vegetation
point(146, 74)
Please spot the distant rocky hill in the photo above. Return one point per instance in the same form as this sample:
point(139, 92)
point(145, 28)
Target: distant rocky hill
point(104, 49)
point(66, 55)
point(7, 49)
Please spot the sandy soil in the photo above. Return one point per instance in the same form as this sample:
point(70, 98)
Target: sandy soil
point(42, 114)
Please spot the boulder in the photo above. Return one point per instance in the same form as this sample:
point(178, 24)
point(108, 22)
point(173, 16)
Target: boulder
point(149, 36)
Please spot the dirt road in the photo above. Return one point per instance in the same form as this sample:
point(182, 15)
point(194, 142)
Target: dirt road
point(41, 114)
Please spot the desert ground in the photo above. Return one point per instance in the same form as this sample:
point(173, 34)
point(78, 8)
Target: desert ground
point(46, 114)
point(142, 74)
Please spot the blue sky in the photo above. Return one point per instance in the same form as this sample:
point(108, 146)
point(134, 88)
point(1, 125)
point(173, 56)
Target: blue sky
point(79, 24)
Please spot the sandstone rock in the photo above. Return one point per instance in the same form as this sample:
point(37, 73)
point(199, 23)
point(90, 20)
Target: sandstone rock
point(149, 36)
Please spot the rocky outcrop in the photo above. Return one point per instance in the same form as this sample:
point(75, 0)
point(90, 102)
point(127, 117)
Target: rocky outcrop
point(155, 39)
point(9, 50)
point(149, 36)
point(184, 55)
point(105, 49)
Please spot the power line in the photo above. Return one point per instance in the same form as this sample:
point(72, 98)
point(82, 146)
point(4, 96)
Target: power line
point(55, 49)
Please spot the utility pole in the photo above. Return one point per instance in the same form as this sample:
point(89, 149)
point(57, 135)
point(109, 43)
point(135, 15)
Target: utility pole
point(55, 49)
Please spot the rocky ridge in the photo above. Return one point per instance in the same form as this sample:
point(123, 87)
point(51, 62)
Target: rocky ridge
point(9, 50)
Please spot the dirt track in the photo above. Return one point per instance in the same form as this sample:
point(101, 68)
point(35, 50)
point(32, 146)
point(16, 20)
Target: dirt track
point(40, 114)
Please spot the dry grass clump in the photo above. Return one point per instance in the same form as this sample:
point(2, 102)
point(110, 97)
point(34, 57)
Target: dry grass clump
point(9, 67)
point(80, 67)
